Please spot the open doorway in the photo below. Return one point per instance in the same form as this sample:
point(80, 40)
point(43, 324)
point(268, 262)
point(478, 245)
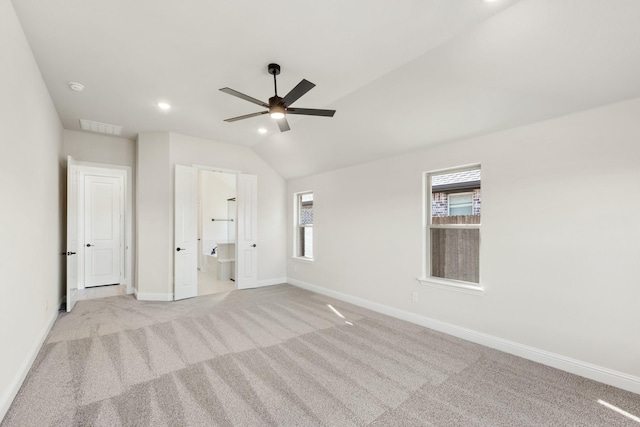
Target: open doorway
point(217, 223)
point(189, 248)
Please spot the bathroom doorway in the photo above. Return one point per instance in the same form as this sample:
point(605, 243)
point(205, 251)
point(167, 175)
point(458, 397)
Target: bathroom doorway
point(217, 214)
point(189, 220)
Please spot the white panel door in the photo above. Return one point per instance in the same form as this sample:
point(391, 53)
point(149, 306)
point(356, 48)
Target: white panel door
point(186, 233)
point(247, 233)
point(102, 230)
point(72, 234)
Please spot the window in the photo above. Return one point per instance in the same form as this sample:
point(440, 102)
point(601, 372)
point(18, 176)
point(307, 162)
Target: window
point(453, 225)
point(304, 225)
point(460, 204)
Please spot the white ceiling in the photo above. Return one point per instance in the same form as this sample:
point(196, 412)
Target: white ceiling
point(400, 74)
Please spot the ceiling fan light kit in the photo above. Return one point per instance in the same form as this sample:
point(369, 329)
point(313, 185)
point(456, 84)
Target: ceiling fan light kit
point(277, 112)
point(278, 107)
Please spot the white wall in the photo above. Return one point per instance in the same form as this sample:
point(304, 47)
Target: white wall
point(31, 178)
point(187, 150)
point(155, 204)
point(215, 189)
point(560, 235)
point(107, 150)
point(90, 147)
point(154, 199)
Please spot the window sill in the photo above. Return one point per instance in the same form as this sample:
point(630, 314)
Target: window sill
point(297, 258)
point(452, 285)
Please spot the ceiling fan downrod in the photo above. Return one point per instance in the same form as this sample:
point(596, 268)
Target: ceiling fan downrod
point(274, 70)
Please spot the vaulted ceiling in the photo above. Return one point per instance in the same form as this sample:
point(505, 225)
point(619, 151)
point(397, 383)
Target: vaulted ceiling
point(401, 74)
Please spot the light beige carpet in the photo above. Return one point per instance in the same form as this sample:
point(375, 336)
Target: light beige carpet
point(285, 356)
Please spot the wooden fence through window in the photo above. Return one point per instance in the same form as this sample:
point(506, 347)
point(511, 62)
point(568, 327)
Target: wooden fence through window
point(455, 252)
point(458, 219)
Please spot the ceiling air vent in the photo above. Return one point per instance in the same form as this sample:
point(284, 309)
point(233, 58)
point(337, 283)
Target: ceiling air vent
point(98, 127)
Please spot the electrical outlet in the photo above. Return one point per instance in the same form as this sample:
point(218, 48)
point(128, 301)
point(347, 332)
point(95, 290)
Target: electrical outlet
point(415, 297)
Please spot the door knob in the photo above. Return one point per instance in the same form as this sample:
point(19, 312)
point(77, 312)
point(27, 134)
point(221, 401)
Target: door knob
point(71, 253)
point(254, 245)
point(181, 249)
point(89, 245)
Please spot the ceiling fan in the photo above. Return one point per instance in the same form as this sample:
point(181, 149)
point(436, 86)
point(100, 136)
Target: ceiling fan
point(278, 107)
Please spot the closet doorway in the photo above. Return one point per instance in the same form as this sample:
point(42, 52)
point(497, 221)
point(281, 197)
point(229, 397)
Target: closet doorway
point(99, 231)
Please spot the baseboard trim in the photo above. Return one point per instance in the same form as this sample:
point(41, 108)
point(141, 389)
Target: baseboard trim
point(594, 372)
point(145, 296)
point(7, 397)
point(271, 282)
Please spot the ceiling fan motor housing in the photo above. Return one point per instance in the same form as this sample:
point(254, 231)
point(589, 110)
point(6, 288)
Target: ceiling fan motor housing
point(274, 69)
point(275, 101)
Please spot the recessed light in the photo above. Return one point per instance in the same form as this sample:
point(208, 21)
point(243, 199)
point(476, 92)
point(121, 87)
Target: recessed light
point(75, 86)
point(262, 130)
point(164, 106)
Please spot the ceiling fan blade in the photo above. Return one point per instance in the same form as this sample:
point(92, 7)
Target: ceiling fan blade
point(303, 87)
point(283, 124)
point(311, 112)
point(243, 96)
point(246, 116)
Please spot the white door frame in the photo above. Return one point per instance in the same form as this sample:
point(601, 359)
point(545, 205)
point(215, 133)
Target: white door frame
point(90, 168)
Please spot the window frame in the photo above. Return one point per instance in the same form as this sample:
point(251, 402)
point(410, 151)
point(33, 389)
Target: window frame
point(427, 226)
point(298, 228)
